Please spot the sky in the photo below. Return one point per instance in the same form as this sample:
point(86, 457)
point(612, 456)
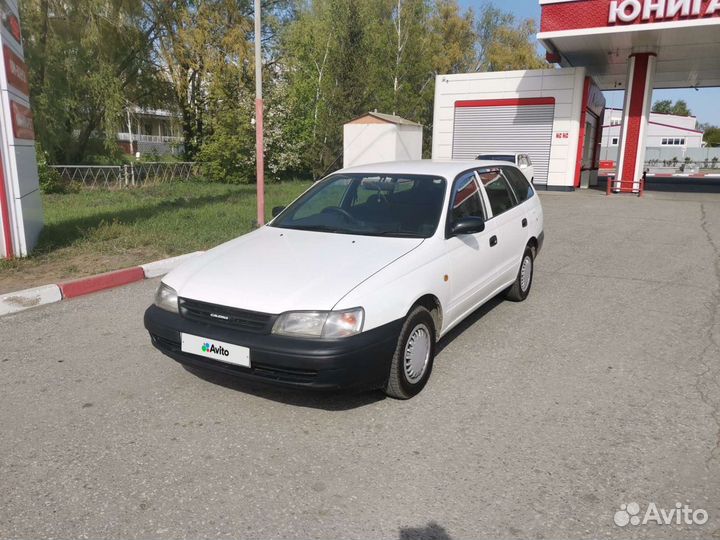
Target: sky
point(703, 102)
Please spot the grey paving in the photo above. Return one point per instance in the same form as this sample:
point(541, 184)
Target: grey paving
point(541, 418)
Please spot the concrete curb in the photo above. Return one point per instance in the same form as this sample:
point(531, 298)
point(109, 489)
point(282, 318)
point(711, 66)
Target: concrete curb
point(47, 294)
point(22, 300)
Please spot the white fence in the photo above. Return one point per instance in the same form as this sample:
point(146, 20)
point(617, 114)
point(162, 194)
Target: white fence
point(133, 174)
point(149, 138)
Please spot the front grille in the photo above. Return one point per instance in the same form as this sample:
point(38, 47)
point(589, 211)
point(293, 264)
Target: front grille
point(228, 317)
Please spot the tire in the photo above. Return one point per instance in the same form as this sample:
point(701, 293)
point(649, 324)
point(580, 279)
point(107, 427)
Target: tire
point(519, 290)
point(407, 377)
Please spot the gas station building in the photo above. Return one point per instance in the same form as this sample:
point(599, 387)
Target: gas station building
point(630, 45)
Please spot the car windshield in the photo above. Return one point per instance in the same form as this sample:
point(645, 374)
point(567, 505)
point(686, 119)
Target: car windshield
point(397, 205)
point(497, 157)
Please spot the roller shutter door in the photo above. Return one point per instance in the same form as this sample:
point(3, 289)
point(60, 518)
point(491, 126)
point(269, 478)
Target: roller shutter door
point(505, 125)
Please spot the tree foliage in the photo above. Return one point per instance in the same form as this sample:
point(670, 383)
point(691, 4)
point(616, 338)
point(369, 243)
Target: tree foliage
point(87, 59)
point(325, 62)
point(666, 106)
point(711, 135)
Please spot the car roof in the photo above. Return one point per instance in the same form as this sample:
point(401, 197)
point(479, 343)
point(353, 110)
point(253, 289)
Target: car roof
point(501, 153)
point(433, 167)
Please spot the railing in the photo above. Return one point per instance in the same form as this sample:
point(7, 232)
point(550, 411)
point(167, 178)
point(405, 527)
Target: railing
point(626, 186)
point(149, 138)
point(133, 174)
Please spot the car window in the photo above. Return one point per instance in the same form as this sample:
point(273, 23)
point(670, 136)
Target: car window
point(522, 188)
point(466, 198)
point(498, 191)
point(521, 160)
point(497, 157)
point(318, 200)
point(527, 158)
point(369, 204)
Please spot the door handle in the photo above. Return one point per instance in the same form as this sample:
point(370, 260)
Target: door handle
point(524, 222)
point(493, 240)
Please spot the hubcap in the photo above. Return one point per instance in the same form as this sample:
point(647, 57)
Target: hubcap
point(525, 273)
point(417, 353)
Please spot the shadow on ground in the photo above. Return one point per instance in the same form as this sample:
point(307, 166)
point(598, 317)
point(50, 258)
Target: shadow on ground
point(432, 531)
point(313, 399)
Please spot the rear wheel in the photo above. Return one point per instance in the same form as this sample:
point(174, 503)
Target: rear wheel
point(521, 288)
point(413, 359)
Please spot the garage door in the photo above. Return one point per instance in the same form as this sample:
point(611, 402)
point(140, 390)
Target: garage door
point(505, 125)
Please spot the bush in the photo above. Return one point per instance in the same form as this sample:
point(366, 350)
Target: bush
point(51, 181)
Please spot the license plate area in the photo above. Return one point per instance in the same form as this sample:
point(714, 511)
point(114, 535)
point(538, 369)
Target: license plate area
point(216, 350)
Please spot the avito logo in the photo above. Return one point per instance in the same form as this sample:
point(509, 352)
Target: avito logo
point(208, 347)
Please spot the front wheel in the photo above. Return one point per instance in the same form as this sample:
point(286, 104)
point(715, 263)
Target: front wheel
point(413, 359)
point(521, 288)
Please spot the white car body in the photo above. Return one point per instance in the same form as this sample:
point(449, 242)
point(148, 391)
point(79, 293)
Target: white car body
point(274, 270)
point(520, 159)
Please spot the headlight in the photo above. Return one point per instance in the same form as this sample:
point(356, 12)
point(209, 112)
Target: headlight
point(325, 324)
point(166, 298)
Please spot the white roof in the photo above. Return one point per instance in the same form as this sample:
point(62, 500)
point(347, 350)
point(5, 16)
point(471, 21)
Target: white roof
point(435, 167)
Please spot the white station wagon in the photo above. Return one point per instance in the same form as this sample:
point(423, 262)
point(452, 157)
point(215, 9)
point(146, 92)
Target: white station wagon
point(523, 162)
point(353, 283)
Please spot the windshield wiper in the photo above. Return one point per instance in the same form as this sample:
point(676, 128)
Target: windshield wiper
point(319, 228)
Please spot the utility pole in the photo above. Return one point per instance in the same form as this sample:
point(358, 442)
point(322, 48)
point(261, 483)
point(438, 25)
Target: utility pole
point(259, 150)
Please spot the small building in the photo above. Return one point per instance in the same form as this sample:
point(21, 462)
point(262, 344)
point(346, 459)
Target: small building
point(663, 130)
point(554, 115)
point(376, 137)
point(150, 131)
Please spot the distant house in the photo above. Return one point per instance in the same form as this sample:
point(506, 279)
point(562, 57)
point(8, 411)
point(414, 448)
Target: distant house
point(150, 131)
point(664, 130)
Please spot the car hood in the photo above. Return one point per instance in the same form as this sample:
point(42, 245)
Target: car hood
point(273, 270)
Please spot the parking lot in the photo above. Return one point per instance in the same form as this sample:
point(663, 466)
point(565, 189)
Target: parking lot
point(540, 419)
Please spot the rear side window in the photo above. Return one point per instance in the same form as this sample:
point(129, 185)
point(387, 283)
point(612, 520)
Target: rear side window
point(466, 198)
point(522, 188)
point(498, 190)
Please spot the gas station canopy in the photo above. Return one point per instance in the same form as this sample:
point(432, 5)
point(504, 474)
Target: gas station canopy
point(601, 35)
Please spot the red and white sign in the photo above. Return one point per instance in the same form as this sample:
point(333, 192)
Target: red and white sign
point(603, 13)
point(22, 121)
point(16, 71)
point(10, 21)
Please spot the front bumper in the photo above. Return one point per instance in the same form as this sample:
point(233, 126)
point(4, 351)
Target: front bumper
point(358, 362)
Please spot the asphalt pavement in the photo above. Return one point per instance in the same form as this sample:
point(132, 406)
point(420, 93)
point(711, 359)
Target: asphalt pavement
point(540, 419)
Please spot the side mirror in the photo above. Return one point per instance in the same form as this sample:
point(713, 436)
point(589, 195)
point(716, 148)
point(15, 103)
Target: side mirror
point(276, 210)
point(467, 225)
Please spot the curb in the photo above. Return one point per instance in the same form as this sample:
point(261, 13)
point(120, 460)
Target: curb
point(47, 294)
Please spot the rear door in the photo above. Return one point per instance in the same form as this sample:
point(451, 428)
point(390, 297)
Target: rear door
point(508, 223)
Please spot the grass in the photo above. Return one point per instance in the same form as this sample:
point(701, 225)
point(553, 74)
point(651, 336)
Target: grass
point(96, 231)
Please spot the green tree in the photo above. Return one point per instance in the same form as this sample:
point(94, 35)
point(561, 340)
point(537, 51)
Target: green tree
point(666, 106)
point(87, 60)
point(711, 135)
point(505, 43)
point(198, 42)
point(680, 108)
point(453, 36)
